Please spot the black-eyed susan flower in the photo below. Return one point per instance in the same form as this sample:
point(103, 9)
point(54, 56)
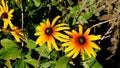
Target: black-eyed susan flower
point(5, 14)
point(48, 32)
point(81, 43)
point(17, 33)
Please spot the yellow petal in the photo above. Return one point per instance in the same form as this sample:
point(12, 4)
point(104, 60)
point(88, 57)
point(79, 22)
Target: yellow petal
point(54, 20)
point(69, 48)
point(80, 29)
point(69, 33)
point(71, 53)
point(3, 3)
point(62, 28)
point(11, 25)
point(10, 12)
point(94, 37)
point(40, 40)
point(66, 44)
point(6, 6)
point(92, 52)
point(61, 35)
point(38, 33)
point(60, 39)
point(82, 53)
point(87, 31)
point(54, 44)
point(92, 44)
point(76, 53)
point(48, 23)
point(6, 23)
point(49, 46)
point(88, 52)
point(16, 36)
point(74, 32)
point(59, 25)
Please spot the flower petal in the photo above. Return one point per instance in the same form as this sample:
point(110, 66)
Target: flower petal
point(62, 28)
point(10, 12)
point(87, 31)
point(38, 33)
point(6, 23)
point(48, 23)
point(82, 53)
point(49, 46)
point(54, 44)
point(76, 53)
point(69, 48)
point(59, 25)
point(60, 39)
point(40, 40)
point(94, 37)
point(88, 52)
point(66, 44)
point(68, 32)
point(54, 20)
point(80, 29)
point(71, 53)
point(61, 35)
point(92, 44)
point(17, 37)
point(3, 3)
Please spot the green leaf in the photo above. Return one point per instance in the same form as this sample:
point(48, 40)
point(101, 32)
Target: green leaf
point(37, 3)
point(62, 62)
point(20, 64)
point(6, 43)
point(9, 53)
point(31, 44)
point(43, 50)
point(47, 64)
point(31, 61)
point(92, 63)
point(87, 15)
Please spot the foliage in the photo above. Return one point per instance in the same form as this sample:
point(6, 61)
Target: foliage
point(27, 15)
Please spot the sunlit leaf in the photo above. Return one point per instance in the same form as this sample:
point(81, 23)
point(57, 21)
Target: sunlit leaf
point(37, 3)
point(43, 50)
point(6, 43)
point(31, 44)
point(47, 64)
point(9, 53)
point(31, 61)
point(62, 62)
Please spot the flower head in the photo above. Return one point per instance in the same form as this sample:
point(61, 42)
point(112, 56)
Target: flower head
point(5, 14)
point(49, 31)
point(81, 43)
point(16, 33)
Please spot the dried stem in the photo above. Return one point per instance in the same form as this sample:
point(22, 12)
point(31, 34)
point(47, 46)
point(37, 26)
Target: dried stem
point(100, 23)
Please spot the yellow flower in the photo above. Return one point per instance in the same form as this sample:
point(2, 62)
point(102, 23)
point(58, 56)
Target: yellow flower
point(17, 33)
point(5, 14)
point(48, 32)
point(81, 43)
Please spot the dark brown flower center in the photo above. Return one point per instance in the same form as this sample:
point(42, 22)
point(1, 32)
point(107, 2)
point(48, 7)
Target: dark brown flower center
point(81, 40)
point(48, 31)
point(4, 15)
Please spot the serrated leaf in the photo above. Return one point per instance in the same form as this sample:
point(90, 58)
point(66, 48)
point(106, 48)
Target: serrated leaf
point(43, 50)
point(62, 62)
point(31, 44)
point(6, 43)
point(9, 53)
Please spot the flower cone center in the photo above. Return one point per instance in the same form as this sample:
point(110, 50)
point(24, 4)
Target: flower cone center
point(4, 15)
point(48, 31)
point(81, 40)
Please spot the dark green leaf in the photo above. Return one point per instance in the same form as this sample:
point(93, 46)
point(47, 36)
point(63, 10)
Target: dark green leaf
point(31, 61)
